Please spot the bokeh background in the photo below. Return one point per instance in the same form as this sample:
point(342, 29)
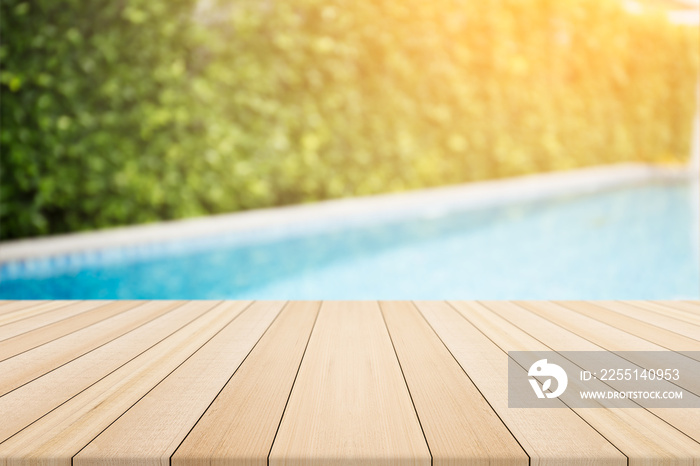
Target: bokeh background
point(119, 112)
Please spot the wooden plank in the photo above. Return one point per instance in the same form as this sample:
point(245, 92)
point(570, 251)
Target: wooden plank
point(650, 332)
point(12, 306)
point(55, 387)
point(596, 335)
point(550, 436)
point(331, 416)
point(60, 434)
point(670, 315)
point(148, 404)
point(667, 322)
point(152, 429)
point(689, 307)
point(459, 425)
point(636, 432)
point(36, 362)
point(47, 318)
point(31, 311)
point(239, 427)
point(605, 336)
point(32, 339)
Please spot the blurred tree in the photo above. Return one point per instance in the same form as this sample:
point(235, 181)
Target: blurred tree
point(95, 102)
point(139, 110)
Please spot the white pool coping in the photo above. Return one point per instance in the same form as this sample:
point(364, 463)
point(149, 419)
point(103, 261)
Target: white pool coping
point(425, 203)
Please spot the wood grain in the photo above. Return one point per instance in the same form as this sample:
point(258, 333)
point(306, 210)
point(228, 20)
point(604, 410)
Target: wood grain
point(239, 427)
point(660, 319)
point(333, 383)
point(150, 431)
point(546, 434)
point(607, 337)
point(12, 306)
point(691, 307)
point(23, 312)
point(59, 385)
point(665, 315)
point(644, 435)
point(44, 334)
point(47, 318)
point(332, 418)
point(459, 425)
point(36, 362)
point(61, 433)
point(640, 328)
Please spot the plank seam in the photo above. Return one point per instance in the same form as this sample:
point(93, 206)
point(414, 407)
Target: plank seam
point(506, 353)
point(658, 313)
point(68, 303)
point(168, 374)
point(602, 347)
point(525, 369)
point(106, 342)
point(170, 459)
point(106, 375)
point(529, 460)
point(291, 389)
point(56, 322)
point(602, 381)
point(562, 304)
point(70, 333)
point(391, 339)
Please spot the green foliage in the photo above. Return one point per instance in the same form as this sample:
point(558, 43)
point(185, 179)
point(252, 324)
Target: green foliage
point(118, 112)
point(95, 113)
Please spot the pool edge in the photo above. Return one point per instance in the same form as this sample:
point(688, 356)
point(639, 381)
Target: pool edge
point(470, 195)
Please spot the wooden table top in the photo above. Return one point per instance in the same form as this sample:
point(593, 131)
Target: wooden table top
point(322, 383)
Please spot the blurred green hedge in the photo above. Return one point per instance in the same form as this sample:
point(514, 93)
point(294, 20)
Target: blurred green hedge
point(119, 112)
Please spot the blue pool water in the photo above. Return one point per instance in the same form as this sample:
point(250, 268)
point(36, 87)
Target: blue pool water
point(634, 243)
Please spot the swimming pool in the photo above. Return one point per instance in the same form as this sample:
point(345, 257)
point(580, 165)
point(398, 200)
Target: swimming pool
point(636, 242)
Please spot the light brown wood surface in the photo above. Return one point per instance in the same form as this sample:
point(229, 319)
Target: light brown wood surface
point(46, 333)
point(607, 337)
point(46, 319)
point(12, 306)
point(61, 433)
point(335, 383)
point(690, 307)
point(660, 336)
point(62, 383)
point(153, 428)
point(21, 312)
point(662, 316)
point(249, 409)
point(675, 311)
point(547, 435)
point(458, 422)
point(38, 361)
point(332, 416)
point(643, 435)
